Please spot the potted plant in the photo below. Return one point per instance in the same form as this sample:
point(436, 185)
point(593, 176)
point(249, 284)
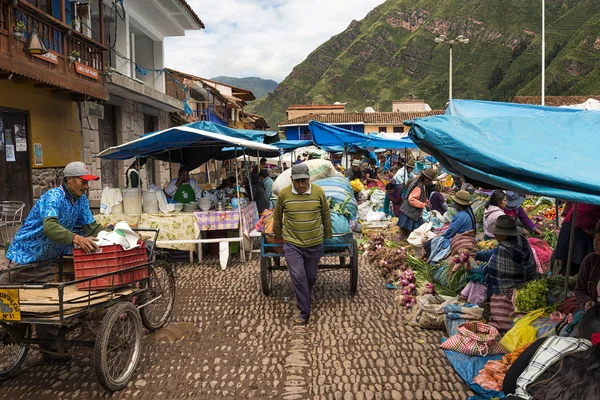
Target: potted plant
point(73, 56)
point(74, 26)
point(19, 30)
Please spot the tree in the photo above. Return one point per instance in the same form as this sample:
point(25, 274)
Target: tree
point(496, 78)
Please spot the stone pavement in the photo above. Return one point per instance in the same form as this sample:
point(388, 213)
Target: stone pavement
point(227, 340)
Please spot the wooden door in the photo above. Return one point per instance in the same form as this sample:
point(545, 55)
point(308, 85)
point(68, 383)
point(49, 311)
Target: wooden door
point(15, 167)
point(108, 138)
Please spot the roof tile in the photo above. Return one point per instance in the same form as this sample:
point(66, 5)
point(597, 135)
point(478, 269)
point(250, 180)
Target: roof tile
point(554, 101)
point(316, 106)
point(375, 118)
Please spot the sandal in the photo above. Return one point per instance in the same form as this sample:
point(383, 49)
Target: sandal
point(301, 321)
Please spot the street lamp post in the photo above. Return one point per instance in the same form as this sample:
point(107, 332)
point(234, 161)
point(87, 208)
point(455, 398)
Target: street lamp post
point(443, 39)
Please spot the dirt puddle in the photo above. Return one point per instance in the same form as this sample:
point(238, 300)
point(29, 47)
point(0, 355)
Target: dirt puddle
point(173, 333)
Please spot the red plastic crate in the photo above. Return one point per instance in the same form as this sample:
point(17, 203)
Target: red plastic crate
point(110, 259)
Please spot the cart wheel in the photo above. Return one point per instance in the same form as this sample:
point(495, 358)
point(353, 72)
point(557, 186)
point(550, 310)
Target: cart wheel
point(161, 287)
point(12, 354)
point(354, 268)
point(266, 275)
point(118, 347)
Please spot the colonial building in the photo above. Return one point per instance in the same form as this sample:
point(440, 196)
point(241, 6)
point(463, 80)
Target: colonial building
point(364, 122)
point(100, 83)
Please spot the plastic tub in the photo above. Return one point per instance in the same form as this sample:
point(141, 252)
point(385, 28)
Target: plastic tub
point(150, 202)
point(132, 201)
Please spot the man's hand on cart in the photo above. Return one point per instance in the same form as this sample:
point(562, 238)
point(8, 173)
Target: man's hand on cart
point(87, 244)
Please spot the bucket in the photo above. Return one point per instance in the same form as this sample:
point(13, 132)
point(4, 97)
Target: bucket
point(150, 202)
point(132, 202)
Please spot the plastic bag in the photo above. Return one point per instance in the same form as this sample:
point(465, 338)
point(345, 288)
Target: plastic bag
point(522, 332)
point(430, 311)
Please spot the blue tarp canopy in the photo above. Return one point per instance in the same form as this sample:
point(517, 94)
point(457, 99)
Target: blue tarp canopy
point(184, 144)
point(334, 139)
point(537, 150)
point(284, 146)
point(255, 136)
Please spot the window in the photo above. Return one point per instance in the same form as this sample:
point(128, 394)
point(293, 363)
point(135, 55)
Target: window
point(398, 129)
point(306, 135)
point(383, 129)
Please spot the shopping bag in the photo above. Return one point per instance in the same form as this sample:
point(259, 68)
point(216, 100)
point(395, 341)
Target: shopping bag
point(522, 332)
point(475, 338)
point(458, 314)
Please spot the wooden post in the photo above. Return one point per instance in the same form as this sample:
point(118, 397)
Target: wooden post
point(63, 12)
point(570, 253)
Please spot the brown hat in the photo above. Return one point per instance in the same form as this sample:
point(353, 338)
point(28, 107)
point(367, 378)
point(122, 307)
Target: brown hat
point(429, 174)
point(461, 197)
point(594, 231)
point(506, 226)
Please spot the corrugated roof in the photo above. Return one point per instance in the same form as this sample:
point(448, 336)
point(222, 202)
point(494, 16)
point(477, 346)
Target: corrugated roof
point(192, 13)
point(554, 101)
point(376, 118)
point(316, 106)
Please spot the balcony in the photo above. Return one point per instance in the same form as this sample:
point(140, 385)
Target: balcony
point(82, 74)
point(210, 116)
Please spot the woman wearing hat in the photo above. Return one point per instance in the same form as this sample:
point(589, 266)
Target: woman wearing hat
point(509, 265)
point(513, 209)
point(405, 174)
point(416, 199)
point(372, 175)
point(588, 281)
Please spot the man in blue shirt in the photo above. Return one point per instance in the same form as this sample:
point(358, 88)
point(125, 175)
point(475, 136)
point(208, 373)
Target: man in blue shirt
point(267, 182)
point(48, 231)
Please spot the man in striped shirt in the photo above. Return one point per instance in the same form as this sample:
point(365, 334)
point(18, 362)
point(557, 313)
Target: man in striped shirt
point(307, 221)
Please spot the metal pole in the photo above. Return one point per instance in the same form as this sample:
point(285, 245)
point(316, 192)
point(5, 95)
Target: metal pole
point(556, 212)
point(570, 254)
point(237, 182)
point(248, 175)
point(543, 52)
point(450, 80)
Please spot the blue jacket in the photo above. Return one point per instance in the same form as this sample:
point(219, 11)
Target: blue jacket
point(462, 222)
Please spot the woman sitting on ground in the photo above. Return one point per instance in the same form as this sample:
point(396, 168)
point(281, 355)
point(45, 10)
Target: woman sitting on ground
point(493, 209)
point(588, 279)
point(513, 209)
point(414, 202)
point(511, 263)
point(559, 368)
point(463, 221)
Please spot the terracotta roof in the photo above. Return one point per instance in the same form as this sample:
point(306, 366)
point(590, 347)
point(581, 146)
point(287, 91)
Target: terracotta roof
point(376, 118)
point(192, 13)
point(554, 101)
point(316, 106)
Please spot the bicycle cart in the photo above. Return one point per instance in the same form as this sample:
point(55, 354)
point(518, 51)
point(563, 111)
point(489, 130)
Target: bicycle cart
point(347, 251)
point(105, 312)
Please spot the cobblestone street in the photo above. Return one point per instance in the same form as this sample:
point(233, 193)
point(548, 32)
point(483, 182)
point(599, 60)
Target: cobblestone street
point(226, 340)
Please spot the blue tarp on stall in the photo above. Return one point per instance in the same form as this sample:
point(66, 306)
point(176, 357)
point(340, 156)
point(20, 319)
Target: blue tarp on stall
point(334, 139)
point(284, 146)
point(545, 152)
point(478, 109)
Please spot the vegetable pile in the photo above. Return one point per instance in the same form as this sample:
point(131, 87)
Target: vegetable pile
point(532, 297)
point(492, 375)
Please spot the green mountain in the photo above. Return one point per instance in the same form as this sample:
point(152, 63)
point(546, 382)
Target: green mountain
point(258, 86)
point(391, 54)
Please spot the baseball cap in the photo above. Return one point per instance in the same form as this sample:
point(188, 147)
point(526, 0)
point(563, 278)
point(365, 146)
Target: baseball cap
point(356, 163)
point(79, 169)
point(300, 171)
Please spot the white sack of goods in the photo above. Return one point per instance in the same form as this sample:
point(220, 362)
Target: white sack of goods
point(318, 169)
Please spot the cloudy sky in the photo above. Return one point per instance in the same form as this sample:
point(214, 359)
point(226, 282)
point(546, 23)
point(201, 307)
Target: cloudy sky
point(264, 38)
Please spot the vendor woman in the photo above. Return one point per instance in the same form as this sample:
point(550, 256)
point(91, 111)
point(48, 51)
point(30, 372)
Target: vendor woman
point(513, 209)
point(588, 279)
point(415, 201)
point(393, 196)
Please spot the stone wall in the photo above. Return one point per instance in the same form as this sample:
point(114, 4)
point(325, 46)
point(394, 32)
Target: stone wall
point(129, 126)
point(44, 179)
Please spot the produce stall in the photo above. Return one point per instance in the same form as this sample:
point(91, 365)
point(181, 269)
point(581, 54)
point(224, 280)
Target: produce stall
point(190, 145)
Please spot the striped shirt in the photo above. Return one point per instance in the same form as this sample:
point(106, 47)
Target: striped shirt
point(307, 219)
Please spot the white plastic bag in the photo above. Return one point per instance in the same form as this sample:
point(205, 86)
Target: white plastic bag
point(421, 235)
point(375, 215)
point(318, 169)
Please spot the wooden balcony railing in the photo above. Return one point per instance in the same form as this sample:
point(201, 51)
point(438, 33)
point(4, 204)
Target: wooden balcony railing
point(82, 73)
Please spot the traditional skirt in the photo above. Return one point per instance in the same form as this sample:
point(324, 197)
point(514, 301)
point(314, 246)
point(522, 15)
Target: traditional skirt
point(409, 224)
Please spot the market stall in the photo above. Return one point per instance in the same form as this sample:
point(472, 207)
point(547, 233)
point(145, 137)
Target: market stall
point(497, 145)
point(191, 147)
